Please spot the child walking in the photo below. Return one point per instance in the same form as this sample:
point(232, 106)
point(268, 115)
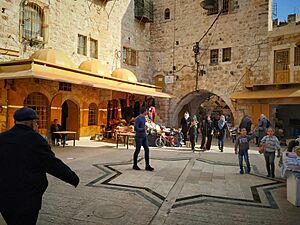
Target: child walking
point(241, 148)
point(179, 136)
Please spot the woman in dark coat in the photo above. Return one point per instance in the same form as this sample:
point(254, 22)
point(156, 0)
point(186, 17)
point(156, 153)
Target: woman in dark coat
point(207, 133)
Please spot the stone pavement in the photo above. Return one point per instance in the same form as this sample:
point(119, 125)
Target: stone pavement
point(185, 188)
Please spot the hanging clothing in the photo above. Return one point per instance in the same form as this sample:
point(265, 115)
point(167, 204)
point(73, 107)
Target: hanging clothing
point(136, 108)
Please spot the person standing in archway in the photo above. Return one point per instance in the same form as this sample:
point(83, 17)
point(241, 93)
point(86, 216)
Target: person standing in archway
point(185, 124)
point(192, 132)
point(222, 128)
point(207, 133)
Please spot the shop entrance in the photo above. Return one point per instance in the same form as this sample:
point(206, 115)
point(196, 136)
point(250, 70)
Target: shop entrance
point(70, 116)
point(287, 117)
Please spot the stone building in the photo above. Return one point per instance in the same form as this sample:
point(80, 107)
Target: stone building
point(278, 95)
point(68, 59)
point(232, 41)
point(247, 63)
point(228, 71)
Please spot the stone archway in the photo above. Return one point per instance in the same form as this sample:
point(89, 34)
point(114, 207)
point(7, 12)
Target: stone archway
point(201, 102)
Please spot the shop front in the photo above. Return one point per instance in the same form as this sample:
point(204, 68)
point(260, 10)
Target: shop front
point(83, 99)
point(281, 106)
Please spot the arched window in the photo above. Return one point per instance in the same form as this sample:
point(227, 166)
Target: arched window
point(167, 14)
point(40, 104)
point(93, 114)
point(31, 21)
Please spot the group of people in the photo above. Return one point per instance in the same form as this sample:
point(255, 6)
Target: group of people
point(263, 132)
point(26, 157)
point(266, 138)
point(207, 128)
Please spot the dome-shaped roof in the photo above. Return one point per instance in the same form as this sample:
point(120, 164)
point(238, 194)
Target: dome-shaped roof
point(53, 56)
point(124, 74)
point(95, 67)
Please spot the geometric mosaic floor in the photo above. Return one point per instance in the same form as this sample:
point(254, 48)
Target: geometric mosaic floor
point(207, 181)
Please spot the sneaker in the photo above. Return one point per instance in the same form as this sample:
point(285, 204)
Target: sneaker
point(241, 172)
point(248, 170)
point(135, 167)
point(149, 168)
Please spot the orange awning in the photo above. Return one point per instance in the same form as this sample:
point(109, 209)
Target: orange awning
point(265, 94)
point(43, 70)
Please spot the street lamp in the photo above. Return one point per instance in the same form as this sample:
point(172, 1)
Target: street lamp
point(196, 50)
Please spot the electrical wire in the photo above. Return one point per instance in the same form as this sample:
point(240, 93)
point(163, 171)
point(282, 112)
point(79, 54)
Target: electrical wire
point(215, 20)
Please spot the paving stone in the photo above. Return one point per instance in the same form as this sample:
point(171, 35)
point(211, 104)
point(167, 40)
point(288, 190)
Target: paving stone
point(227, 197)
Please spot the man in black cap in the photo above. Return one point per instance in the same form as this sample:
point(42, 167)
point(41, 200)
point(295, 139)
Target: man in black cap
point(25, 158)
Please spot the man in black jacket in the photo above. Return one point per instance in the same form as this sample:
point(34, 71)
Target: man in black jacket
point(25, 158)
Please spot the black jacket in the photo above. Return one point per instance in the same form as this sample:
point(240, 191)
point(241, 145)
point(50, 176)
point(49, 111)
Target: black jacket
point(25, 158)
point(207, 127)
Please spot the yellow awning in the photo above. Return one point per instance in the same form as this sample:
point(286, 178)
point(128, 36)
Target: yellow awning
point(44, 70)
point(265, 94)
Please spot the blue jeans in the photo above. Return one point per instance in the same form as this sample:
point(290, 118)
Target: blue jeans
point(243, 154)
point(221, 141)
point(139, 142)
point(270, 165)
point(179, 140)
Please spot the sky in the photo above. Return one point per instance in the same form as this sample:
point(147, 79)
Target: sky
point(286, 7)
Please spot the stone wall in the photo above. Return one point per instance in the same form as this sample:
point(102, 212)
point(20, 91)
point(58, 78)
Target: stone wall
point(244, 30)
point(112, 23)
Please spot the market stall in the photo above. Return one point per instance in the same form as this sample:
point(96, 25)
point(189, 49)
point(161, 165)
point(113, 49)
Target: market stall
point(291, 170)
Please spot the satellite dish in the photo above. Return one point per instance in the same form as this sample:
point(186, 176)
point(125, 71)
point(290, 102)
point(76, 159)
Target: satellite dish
point(208, 4)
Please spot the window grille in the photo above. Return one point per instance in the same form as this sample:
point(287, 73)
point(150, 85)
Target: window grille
point(226, 56)
point(32, 21)
point(297, 56)
point(63, 86)
point(226, 5)
point(214, 55)
point(94, 48)
point(39, 102)
point(93, 114)
point(81, 49)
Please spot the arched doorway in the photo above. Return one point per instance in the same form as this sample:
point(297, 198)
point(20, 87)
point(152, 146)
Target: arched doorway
point(70, 116)
point(202, 103)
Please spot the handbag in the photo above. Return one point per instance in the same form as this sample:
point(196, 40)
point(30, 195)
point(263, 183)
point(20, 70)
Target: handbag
point(261, 148)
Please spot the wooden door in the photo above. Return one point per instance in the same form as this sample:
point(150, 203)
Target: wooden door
point(257, 110)
point(281, 66)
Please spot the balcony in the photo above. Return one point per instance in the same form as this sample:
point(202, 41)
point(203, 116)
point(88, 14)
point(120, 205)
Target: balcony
point(143, 10)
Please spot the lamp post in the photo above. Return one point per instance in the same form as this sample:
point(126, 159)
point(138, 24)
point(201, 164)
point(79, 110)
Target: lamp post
point(196, 50)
